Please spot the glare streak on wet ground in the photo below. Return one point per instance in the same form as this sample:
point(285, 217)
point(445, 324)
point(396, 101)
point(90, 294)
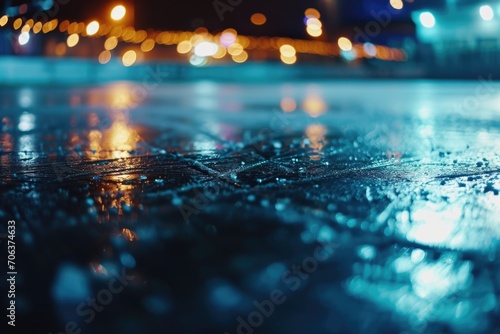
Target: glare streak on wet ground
point(207, 194)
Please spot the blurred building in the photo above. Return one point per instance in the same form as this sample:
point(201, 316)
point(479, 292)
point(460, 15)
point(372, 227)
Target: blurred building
point(462, 34)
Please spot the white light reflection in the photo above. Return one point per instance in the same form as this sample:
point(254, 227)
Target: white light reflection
point(26, 122)
point(434, 225)
point(27, 144)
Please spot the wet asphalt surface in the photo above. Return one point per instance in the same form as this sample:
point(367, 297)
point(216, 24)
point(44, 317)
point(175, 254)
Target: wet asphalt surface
point(326, 207)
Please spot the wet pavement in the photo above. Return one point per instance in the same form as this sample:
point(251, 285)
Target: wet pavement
point(326, 207)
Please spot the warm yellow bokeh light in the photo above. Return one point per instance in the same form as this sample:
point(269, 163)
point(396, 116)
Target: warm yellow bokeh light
point(72, 27)
point(148, 45)
point(46, 27)
point(129, 58)
point(80, 27)
point(314, 105)
point(25, 28)
point(140, 36)
point(64, 26)
point(288, 60)
point(72, 40)
point(311, 12)
point(92, 28)
point(118, 13)
point(287, 50)
point(221, 52)
point(235, 49)
point(396, 4)
point(314, 32)
point(314, 23)
point(104, 57)
point(3, 20)
point(241, 57)
point(128, 34)
point(111, 43)
point(258, 19)
point(37, 27)
point(17, 23)
point(184, 47)
point(344, 44)
point(53, 24)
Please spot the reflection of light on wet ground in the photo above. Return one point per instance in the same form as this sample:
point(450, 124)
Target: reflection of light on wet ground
point(120, 139)
point(202, 144)
point(27, 147)
point(433, 224)
point(115, 142)
point(120, 96)
point(26, 122)
point(315, 134)
point(95, 137)
point(7, 142)
point(419, 288)
point(434, 281)
point(421, 237)
point(7, 145)
point(314, 105)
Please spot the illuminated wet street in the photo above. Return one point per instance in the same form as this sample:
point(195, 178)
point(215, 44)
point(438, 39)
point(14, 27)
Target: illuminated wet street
point(210, 195)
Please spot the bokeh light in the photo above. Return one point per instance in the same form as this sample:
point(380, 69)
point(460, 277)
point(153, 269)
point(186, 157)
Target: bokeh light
point(129, 58)
point(63, 26)
point(228, 37)
point(104, 57)
point(72, 40)
point(427, 19)
point(314, 23)
point(344, 44)
point(311, 12)
point(486, 13)
point(184, 47)
point(148, 45)
point(235, 49)
point(241, 57)
point(258, 19)
point(92, 28)
point(221, 52)
point(118, 13)
point(288, 60)
point(4, 20)
point(37, 27)
point(197, 61)
point(205, 49)
point(17, 23)
point(314, 32)
point(24, 38)
point(111, 43)
point(370, 49)
point(397, 4)
point(287, 50)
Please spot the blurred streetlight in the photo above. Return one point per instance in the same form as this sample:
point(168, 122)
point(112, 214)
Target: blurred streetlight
point(92, 28)
point(118, 13)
